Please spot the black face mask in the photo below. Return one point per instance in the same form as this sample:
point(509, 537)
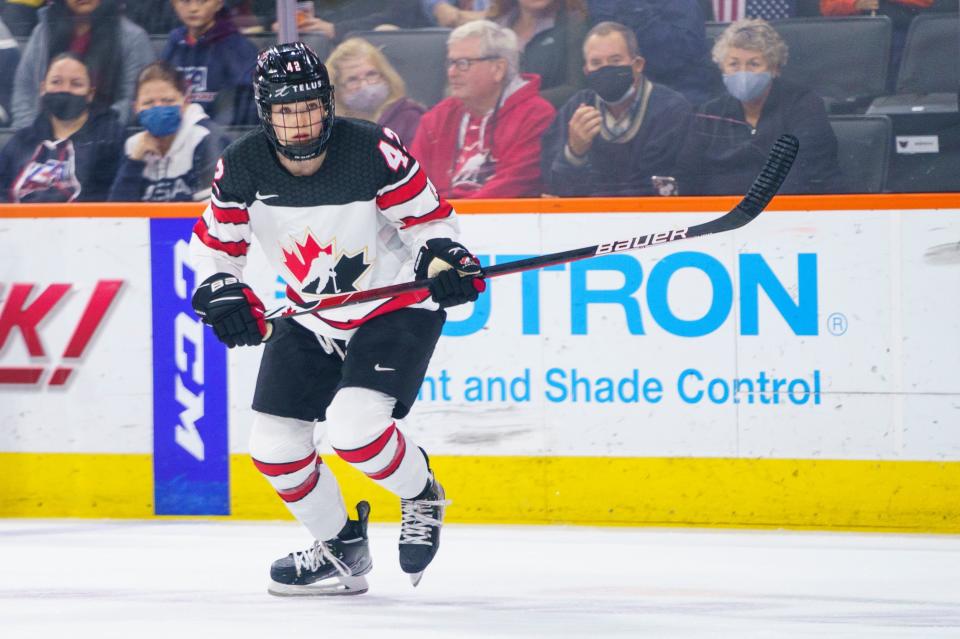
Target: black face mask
point(611, 82)
point(63, 105)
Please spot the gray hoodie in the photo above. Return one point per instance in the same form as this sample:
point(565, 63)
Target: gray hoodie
point(135, 53)
point(9, 59)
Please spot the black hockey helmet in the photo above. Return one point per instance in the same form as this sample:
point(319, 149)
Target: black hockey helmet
point(293, 72)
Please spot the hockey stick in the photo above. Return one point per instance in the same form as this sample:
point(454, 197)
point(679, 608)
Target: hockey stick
point(764, 187)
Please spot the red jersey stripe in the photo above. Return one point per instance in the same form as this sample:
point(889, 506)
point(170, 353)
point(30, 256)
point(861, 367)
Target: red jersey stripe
point(275, 470)
point(229, 215)
point(443, 210)
point(371, 450)
point(395, 462)
point(233, 249)
point(403, 193)
point(400, 301)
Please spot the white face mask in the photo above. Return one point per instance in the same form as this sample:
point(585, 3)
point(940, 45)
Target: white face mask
point(368, 98)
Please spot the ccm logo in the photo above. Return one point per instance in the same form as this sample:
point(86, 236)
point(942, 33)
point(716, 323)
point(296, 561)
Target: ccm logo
point(17, 313)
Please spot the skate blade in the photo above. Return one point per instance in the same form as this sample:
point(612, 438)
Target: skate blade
point(415, 578)
point(344, 586)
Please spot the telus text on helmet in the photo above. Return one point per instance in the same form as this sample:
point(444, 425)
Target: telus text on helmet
point(297, 88)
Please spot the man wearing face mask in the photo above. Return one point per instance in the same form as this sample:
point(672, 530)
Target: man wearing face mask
point(729, 137)
point(70, 151)
point(614, 137)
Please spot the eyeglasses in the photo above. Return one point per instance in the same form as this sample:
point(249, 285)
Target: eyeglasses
point(464, 64)
point(370, 77)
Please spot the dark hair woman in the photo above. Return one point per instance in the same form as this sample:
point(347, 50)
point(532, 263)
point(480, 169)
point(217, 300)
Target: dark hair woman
point(71, 150)
point(113, 48)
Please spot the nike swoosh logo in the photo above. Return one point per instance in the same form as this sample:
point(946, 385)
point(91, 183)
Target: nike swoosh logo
point(377, 367)
point(265, 197)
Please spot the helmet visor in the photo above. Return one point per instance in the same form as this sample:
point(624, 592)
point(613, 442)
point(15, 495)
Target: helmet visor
point(300, 127)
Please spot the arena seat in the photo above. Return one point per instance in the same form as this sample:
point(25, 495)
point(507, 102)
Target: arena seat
point(931, 55)
point(5, 135)
point(844, 59)
point(418, 55)
point(863, 151)
point(158, 42)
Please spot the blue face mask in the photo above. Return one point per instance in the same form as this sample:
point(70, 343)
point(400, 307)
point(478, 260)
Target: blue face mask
point(161, 121)
point(747, 86)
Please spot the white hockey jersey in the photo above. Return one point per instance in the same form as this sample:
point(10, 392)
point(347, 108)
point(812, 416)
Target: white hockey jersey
point(357, 223)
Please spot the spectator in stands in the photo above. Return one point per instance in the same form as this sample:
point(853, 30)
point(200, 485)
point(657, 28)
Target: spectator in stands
point(70, 152)
point(453, 13)
point(484, 140)
point(730, 136)
point(613, 137)
point(901, 14)
point(113, 48)
point(369, 88)
point(20, 16)
point(336, 19)
point(550, 33)
point(216, 60)
point(173, 159)
point(673, 41)
point(9, 58)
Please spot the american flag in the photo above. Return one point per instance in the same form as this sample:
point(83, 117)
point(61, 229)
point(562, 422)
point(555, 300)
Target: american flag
point(732, 10)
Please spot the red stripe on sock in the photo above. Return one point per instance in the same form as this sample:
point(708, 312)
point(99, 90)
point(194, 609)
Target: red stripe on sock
point(299, 492)
point(371, 450)
point(395, 462)
point(275, 470)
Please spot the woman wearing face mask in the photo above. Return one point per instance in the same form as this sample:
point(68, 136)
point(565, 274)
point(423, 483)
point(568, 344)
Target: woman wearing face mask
point(729, 138)
point(173, 158)
point(550, 34)
point(369, 88)
point(112, 47)
point(71, 150)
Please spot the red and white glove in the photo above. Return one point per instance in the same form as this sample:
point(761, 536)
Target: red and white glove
point(232, 309)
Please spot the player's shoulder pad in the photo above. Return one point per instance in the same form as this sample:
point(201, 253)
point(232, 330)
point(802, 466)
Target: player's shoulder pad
point(354, 129)
point(233, 176)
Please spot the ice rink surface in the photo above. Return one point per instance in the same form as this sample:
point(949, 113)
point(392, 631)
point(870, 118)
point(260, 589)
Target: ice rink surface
point(181, 580)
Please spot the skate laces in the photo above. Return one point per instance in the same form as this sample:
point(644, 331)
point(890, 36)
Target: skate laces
point(317, 555)
point(416, 519)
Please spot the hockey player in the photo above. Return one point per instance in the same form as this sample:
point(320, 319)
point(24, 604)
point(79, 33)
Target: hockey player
point(337, 205)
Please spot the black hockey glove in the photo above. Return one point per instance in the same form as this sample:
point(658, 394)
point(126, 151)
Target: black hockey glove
point(232, 309)
point(455, 274)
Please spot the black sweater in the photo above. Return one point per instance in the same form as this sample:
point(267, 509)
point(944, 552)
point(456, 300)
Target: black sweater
point(722, 153)
point(36, 168)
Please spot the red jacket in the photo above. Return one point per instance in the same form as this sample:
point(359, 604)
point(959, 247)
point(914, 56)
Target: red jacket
point(848, 7)
point(515, 145)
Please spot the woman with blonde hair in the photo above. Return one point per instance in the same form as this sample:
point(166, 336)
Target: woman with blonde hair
point(730, 136)
point(369, 88)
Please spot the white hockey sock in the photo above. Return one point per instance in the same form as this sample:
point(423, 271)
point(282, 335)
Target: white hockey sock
point(282, 449)
point(363, 433)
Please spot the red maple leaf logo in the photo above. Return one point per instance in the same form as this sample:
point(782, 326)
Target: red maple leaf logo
point(299, 260)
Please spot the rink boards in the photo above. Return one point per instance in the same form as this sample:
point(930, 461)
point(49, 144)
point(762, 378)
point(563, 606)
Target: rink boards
point(798, 372)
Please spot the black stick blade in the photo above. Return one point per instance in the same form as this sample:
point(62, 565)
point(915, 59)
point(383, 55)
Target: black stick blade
point(771, 178)
point(764, 187)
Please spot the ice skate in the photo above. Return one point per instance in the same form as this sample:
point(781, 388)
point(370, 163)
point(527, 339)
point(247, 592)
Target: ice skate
point(421, 518)
point(333, 567)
